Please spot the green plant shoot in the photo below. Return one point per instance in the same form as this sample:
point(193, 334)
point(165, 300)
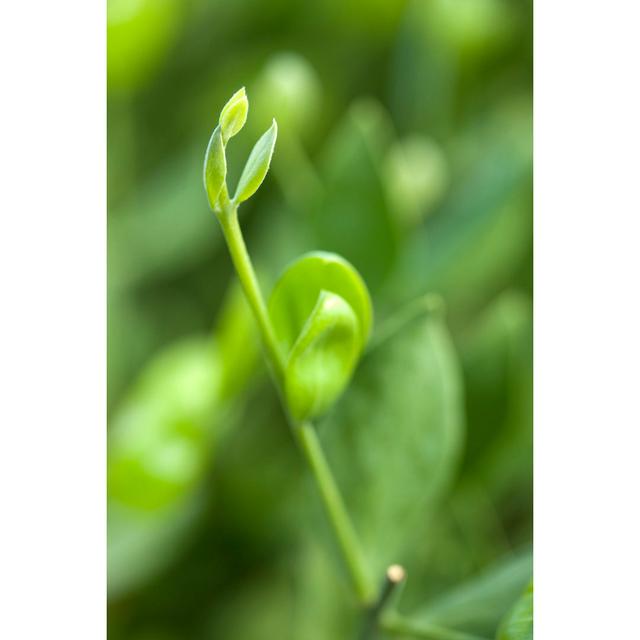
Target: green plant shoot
point(314, 330)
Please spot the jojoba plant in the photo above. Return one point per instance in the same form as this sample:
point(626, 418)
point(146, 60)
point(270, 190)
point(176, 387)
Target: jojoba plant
point(314, 329)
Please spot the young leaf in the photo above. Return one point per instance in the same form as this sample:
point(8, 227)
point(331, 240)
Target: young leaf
point(394, 439)
point(257, 165)
point(518, 624)
point(321, 313)
point(215, 167)
point(322, 359)
point(234, 115)
point(296, 293)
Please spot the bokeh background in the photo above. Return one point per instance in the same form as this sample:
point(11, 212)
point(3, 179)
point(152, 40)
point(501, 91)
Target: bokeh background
point(405, 144)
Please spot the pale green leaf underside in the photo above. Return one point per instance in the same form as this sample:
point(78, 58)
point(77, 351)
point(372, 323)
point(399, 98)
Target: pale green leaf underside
point(321, 361)
point(215, 167)
point(257, 165)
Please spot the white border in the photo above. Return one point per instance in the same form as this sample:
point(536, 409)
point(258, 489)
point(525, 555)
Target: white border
point(52, 320)
point(587, 319)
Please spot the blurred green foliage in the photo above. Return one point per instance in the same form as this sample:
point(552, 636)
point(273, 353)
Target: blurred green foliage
point(518, 624)
point(405, 146)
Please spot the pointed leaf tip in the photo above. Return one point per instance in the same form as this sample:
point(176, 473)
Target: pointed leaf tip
point(234, 114)
point(257, 164)
point(215, 167)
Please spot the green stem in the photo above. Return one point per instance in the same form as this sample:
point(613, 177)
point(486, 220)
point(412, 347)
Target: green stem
point(305, 433)
point(249, 282)
point(336, 511)
point(401, 626)
point(392, 585)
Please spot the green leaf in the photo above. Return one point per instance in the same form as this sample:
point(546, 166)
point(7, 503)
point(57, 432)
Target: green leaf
point(498, 362)
point(296, 293)
point(161, 437)
point(234, 115)
point(394, 439)
point(478, 605)
point(323, 357)
point(160, 443)
point(321, 313)
point(257, 165)
point(518, 624)
point(352, 216)
point(215, 167)
point(476, 241)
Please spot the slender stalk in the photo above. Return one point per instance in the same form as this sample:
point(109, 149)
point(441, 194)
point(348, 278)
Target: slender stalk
point(249, 282)
point(335, 509)
point(401, 626)
point(393, 580)
point(305, 433)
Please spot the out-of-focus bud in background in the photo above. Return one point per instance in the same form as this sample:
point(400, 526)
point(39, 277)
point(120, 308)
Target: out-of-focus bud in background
point(289, 90)
point(416, 176)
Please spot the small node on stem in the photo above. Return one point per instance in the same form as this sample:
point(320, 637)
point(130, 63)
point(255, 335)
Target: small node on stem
point(394, 579)
point(396, 574)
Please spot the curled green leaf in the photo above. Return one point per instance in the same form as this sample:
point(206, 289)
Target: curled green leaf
point(322, 359)
point(321, 313)
point(234, 115)
point(215, 167)
point(297, 291)
point(257, 165)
